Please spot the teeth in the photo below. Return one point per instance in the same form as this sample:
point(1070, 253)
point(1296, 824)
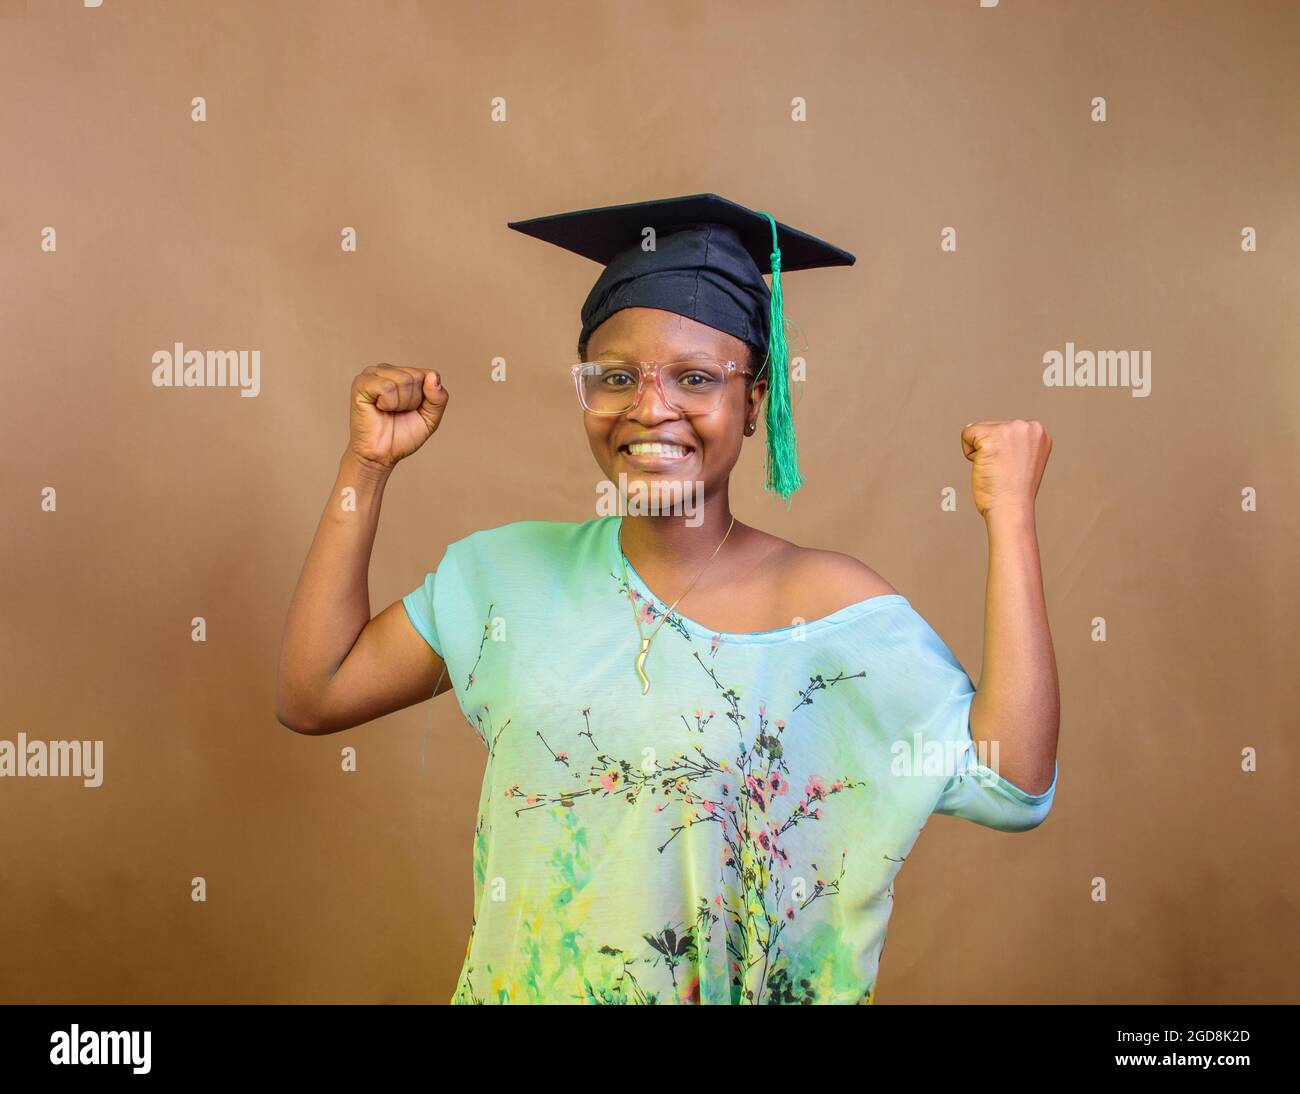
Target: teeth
point(656, 449)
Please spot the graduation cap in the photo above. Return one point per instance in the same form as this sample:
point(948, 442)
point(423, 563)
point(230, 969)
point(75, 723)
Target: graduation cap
point(703, 258)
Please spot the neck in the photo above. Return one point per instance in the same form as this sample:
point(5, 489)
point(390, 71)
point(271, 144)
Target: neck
point(654, 542)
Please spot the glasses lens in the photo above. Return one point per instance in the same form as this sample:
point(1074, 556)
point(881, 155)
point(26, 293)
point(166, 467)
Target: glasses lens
point(608, 387)
point(693, 385)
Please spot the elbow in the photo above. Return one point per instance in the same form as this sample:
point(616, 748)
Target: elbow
point(301, 703)
point(296, 721)
point(296, 715)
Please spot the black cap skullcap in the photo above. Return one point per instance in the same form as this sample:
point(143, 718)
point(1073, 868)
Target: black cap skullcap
point(702, 257)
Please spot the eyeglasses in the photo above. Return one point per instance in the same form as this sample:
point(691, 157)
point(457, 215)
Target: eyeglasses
point(692, 385)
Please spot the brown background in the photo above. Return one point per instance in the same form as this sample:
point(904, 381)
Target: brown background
point(175, 503)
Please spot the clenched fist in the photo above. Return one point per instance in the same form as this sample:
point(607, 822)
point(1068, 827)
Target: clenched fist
point(394, 411)
point(1009, 459)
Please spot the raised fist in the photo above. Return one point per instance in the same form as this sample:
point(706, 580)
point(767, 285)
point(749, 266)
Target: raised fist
point(1009, 459)
point(394, 411)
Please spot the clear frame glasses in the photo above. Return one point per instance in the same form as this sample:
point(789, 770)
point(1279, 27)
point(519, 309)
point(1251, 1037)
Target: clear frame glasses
point(691, 385)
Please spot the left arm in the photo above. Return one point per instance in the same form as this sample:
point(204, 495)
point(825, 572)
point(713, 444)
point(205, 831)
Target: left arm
point(1017, 705)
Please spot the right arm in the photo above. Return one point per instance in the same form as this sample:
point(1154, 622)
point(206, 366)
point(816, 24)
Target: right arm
point(339, 667)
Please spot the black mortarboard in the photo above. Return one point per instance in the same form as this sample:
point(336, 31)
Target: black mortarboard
point(703, 259)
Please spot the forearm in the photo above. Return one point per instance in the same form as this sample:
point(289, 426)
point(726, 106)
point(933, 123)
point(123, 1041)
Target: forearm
point(331, 603)
point(1017, 703)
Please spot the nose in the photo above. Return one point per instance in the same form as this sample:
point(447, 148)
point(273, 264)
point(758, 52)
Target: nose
point(652, 406)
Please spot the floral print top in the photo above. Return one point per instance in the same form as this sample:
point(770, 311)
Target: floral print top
point(730, 837)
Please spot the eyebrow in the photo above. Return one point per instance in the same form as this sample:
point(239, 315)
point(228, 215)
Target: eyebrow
point(620, 355)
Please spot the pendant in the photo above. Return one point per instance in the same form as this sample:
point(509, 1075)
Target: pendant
point(640, 665)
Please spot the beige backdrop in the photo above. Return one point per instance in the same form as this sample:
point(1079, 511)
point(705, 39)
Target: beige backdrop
point(225, 234)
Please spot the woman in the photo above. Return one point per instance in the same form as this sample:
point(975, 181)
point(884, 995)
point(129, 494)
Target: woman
point(682, 808)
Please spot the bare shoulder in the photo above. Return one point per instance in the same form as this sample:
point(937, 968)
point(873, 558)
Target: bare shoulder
point(814, 566)
point(816, 582)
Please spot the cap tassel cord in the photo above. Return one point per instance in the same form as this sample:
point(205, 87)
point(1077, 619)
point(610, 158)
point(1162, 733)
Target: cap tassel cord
point(782, 448)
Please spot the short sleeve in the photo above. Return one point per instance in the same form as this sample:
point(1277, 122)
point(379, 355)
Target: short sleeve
point(977, 793)
point(420, 607)
point(941, 696)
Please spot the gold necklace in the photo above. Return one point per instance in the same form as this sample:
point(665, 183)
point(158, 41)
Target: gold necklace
point(636, 615)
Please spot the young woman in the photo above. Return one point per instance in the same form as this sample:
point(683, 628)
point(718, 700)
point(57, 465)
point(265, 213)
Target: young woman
point(709, 749)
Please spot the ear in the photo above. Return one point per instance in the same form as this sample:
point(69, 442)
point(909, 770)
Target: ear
point(754, 400)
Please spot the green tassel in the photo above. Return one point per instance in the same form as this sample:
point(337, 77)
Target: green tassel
point(782, 449)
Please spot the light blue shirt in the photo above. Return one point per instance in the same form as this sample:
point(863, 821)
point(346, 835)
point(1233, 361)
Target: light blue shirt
point(730, 837)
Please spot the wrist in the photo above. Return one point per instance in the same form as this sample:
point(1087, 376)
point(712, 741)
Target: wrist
point(1010, 516)
point(358, 467)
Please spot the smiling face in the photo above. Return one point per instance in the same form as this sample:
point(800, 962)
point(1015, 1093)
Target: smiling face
point(708, 444)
